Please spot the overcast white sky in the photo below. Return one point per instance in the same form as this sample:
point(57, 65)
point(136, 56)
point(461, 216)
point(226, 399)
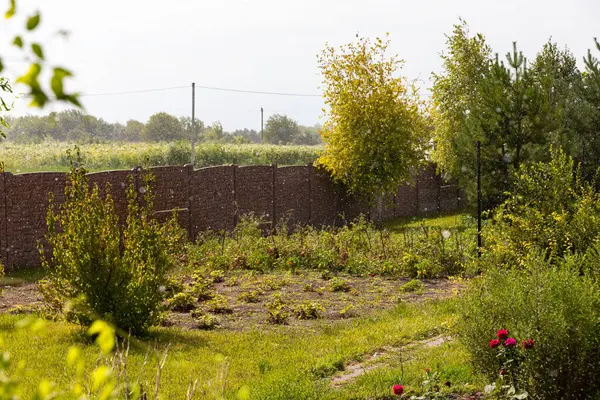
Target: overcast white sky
point(263, 45)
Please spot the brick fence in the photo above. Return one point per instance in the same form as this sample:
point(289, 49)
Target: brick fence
point(214, 198)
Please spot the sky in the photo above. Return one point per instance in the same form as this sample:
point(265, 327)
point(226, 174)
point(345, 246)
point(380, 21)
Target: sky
point(261, 45)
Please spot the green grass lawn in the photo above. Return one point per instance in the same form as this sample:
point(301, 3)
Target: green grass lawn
point(274, 362)
point(444, 221)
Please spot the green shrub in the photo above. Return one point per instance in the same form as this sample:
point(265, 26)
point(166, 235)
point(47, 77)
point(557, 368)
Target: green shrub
point(308, 310)
point(111, 270)
point(550, 208)
point(250, 297)
point(202, 289)
point(339, 285)
point(348, 311)
point(413, 286)
point(219, 305)
point(182, 302)
point(217, 276)
point(206, 321)
point(277, 310)
point(556, 307)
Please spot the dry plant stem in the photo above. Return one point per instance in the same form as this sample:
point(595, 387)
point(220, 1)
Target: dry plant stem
point(161, 365)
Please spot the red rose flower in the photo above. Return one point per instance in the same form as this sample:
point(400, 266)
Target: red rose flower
point(427, 370)
point(494, 343)
point(398, 389)
point(527, 344)
point(372, 275)
point(502, 372)
point(510, 342)
point(502, 334)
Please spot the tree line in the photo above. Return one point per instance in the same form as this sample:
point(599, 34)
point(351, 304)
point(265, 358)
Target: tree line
point(518, 109)
point(76, 125)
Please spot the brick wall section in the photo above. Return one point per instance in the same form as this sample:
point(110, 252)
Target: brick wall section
point(3, 228)
point(352, 206)
point(254, 190)
point(26, 205)
point(324, 201)
point(407, 200)
point(212, 203)
point(428, 191)
point(292, 194)
point(117, 182)
point(172, 191)
point(214, 198)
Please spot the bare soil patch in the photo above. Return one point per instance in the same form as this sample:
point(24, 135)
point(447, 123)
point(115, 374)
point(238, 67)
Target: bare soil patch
point(366, 296)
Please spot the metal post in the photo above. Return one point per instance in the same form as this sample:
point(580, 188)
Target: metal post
point(193, 122)
point(261, 124)
point(478, 199)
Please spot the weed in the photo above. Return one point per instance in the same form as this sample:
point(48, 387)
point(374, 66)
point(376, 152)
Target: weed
point(413, 286)
point(217, 276)
point(182, 302)
point(277, 310)
point(348, 311)
point(339, 285)
point(206, 321)
point(308, 310)
point(219, 305)
point(250, 297)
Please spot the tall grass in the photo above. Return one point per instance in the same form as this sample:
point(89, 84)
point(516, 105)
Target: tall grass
point(52, 156)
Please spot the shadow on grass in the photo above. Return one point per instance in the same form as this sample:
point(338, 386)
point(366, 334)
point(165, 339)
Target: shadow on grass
point(21, 276)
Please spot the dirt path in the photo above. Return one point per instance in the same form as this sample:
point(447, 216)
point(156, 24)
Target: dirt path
point(20, 295)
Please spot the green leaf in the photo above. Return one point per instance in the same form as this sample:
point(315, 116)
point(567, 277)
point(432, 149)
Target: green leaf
point(100, 375)
point(73, 355)
point(33, 22)
point(106, 335)
point(1, 65)
point(30, 78)
point(37, 49)
point(11, 11)
point(18, 41)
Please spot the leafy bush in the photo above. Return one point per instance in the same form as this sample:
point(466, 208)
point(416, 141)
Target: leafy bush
point(206, 321)
point(202, 289)
point(108, 269)
point(413, 286)
point(556, 307)
point(182, 302)
point(219, 305)
point(250, 297)
point(551, 208)
point(308, 310)
point(277, 310)
point(339, 285)
point(217, 276)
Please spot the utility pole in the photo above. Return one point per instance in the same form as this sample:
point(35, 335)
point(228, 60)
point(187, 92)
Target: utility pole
point(261, 124)
point(193, 122)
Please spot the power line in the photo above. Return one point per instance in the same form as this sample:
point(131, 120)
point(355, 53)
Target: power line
point(206, 88)
point(132, 91)
point(258, 92)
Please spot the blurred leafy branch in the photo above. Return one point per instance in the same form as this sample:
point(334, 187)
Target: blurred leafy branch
point(39, 93)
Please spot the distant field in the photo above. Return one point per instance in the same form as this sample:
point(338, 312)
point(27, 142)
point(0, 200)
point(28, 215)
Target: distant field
point(19, 158)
